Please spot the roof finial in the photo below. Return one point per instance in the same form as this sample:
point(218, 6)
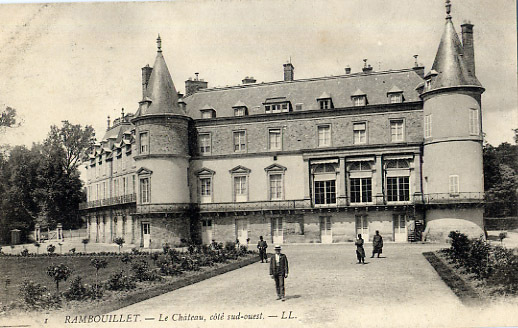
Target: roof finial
point(448, 9)
point(159, 43)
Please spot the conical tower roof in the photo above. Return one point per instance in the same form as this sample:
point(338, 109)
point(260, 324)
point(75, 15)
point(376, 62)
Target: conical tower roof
point(449, 62)
point(161, 92)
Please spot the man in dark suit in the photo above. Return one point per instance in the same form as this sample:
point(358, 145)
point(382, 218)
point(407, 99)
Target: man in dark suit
point(279, 271)
point(262, 246)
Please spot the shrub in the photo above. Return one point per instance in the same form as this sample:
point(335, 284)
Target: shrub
point(119, 241)
point(142, 272)
point(166, 248)
point(96, 292)
point(85, 241)
point(118, 281)
point(77, 290)
point(502, 236)
point(32, 293)
point(58, 273)
point(51, 249)
point(72, 251)
point(24, 252)
point(98, 264)
point(230, 245)
point(168, 266)
point(135, 251)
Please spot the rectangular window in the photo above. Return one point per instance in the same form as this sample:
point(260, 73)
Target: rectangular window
point(397, 130)
point(206, 189)
point(454, 184)
point(428, 126)
point(324, 135)
point(134, 183)
point(144, 190)
point(359, 133)
point(207, 114)
point(359, 101)
point(361, 190)
point(124, 185)
point(239, 111)
point(144, 142)
point(240, 189)
point(274, 139)
point(239, 140)
point(124, 160)
point(325, 192)
point(325, 103)
point(398, 189)
point(204, 140)
point(276, 186)
point(298, 106)
point(396, 98)
point(474, 125)
point(115, 188)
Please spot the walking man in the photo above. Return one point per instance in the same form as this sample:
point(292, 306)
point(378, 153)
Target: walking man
point(262, 246)
point(377, 244)
point(279, 271)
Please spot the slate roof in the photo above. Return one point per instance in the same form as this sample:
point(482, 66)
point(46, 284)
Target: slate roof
point(375, 85)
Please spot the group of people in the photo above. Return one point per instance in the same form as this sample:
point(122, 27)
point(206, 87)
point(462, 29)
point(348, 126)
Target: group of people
point(279, 262)
point(377, 247)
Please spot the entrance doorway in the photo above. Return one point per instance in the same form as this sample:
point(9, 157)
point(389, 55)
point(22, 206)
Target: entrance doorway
point(242, 230)
point(206, 231)
point(326, 234)
point(146, 234)
point(277, 231)
point(362, 227)
point(400, 228)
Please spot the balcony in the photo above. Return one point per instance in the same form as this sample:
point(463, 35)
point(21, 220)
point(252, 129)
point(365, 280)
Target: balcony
point(447, 198)
point(119, 200)
point(274, 205)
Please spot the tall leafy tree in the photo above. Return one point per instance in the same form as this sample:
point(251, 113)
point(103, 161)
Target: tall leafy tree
point(8, 118)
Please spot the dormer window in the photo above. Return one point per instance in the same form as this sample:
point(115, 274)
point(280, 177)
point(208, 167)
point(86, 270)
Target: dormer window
point(207, 112)
point(277, 105)
point(395, 95)
point(240, 109)
point(359, 98)
point(325, 101)
point(429, 77)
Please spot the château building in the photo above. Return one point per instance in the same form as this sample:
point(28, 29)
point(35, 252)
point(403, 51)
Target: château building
point(316, 160)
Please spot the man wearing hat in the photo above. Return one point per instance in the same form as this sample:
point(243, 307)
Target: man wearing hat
point(279, 271)
point(262, 246)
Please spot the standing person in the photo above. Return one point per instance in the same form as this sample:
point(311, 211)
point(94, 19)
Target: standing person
point(279, 271)
point(377, 244)
point(262, 246)
point(360, 252)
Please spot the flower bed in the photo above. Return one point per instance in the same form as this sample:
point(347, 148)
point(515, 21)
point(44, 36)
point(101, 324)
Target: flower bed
point(120, 279)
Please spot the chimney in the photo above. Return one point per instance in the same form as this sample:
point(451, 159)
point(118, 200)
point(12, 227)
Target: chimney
point(191, 86)
point(419, 69)
point(108, 121)
point(366, 68)
point(288, 72)
point(122, 114)
point(467, 45)
point(146, 74)
point(348, 70)
point(248, 80)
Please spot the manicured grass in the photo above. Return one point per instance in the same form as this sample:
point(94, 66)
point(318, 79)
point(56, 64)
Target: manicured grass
point(18, 269)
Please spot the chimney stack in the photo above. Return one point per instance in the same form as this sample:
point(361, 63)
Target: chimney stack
point(191, 86)
point(419, 69)
point(348, 70)
point(366, 68)
point(249, 80)
point(146, 74)
point(288, 72)
point(467, 45)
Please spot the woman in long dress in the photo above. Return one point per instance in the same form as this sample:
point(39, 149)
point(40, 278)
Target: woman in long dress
point(360, 252)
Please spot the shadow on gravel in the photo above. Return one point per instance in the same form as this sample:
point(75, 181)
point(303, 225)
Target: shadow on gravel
point(466, 294)
point(289, 297)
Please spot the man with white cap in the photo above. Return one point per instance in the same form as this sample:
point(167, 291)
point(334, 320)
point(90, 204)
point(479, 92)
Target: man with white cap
point(279, 271)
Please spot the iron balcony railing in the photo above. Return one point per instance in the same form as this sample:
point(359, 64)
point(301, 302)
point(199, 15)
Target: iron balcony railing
point(256, 206)
point(124, 199)
point(449, 198)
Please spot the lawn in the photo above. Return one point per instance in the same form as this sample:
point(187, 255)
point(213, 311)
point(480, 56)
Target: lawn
point(18, 269)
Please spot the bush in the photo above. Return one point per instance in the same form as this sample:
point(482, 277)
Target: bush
point(77, 290)
point(51, 249)
point(142, 272)
point(118, 281)
point(58, 273)
point(230, 246)
point(135, 251)
point(168, 266)
point(32, 293)
point(119, 241)
point(24, 252)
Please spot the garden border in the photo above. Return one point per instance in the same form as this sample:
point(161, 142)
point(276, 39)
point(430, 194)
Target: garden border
point(107, 306)
point(466, 293)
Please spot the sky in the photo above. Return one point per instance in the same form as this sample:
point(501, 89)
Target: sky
point(82, 61)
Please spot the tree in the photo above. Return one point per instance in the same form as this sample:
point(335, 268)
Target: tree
point(98, 264)
point(85, 241)
point(119, 241)
point(58, 273)
point(8, 118)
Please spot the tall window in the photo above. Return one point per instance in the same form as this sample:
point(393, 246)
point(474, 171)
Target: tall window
point(240, 188)
point(474, 125)
point(204, 141)
point(274, 139)
point(115, 187)
point(239, 140)
point(325, 192)
point(144, 142)
point(397, 130)
point(205, 189)
point(325, 103)
point(398, 189)
point(428, 126)
point(324, 135)
point(359, 101)
point(144, 190)
point(454, 184)
point(359, 133)
point(134, 183)
point(276, 187)
point(124, 185)
point(361, 190)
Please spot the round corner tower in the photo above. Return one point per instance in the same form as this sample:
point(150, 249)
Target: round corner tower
point(453, 165)
point(162, 160)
